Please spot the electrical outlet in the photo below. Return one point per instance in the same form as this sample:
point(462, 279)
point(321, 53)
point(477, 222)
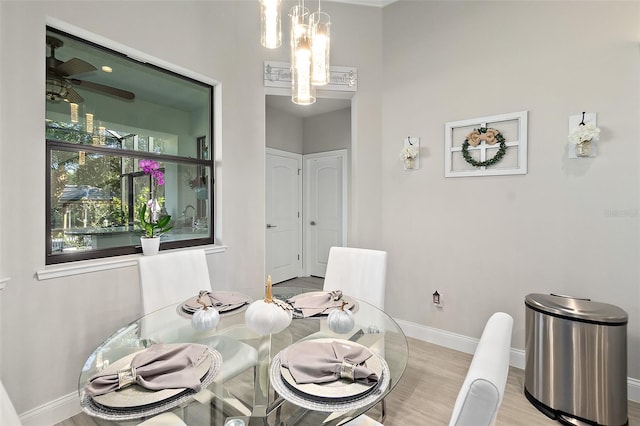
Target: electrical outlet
point(437, 299)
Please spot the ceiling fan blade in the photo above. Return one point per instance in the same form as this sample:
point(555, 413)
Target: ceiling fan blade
point(74, 66)
point(73, 96)
point(105, 89)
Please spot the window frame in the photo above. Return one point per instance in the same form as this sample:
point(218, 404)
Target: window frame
point(51, 144)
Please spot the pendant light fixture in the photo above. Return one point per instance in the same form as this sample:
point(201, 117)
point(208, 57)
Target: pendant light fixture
point(270, 24)
point(320, 24)
point(310, 46)
point(302, 91)
point(74, 112)
point(89, 122)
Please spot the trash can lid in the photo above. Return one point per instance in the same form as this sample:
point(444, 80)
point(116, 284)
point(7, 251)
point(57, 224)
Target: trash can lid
point(581, 309)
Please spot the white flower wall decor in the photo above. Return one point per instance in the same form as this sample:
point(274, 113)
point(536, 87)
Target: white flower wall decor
point(410, 153)
point(583, 135)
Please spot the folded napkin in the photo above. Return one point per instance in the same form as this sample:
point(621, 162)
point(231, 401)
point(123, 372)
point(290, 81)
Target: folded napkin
point(215, 299)
point(322, 362)
point(158, 367)
point(314, 303)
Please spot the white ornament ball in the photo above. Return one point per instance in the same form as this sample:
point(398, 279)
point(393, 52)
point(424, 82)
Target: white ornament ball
point(340, 321)
point(205, 319)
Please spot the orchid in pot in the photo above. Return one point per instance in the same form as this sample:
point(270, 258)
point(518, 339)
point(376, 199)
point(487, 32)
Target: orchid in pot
point(155, 225)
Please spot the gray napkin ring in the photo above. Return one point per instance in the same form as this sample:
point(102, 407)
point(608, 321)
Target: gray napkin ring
point(336, 295)
point(126, 377)
point(347, 370)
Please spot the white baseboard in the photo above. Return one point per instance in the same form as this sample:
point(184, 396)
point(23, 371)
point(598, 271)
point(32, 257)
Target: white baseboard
point(633, 389)
point(52, 412)
point(69, 405)
point(468, 345)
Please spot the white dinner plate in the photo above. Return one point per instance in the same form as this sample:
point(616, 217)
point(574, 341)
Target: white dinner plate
point(351, 305)
point(135, 395)
point(339, 389)
point(189, 306)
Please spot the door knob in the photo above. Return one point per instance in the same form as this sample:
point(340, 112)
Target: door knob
point(271, 226)
point(313, 222)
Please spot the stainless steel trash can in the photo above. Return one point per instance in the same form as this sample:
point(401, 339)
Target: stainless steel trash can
point(576, 359)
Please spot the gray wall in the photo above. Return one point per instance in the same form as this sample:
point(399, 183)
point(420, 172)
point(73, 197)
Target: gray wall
point(568, 226)
point(327, 132)
point(284, 131)
point(324, 132)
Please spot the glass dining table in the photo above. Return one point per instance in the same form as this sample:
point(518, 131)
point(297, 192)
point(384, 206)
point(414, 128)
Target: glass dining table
point(249, 386)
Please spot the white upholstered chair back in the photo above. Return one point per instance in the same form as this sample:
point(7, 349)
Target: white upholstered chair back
point(172, 277)
point(8, 414)
point(358, 272)
point(361, 273)
point(483, 388)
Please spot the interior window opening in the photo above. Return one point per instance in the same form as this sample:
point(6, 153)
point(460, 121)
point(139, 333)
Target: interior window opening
point(100, 125)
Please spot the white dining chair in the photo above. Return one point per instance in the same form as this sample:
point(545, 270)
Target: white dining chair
point(172, 277)
point(358, 272)
point(175, 276)
point(361, 273)
point(8, 414)
point(483, 388)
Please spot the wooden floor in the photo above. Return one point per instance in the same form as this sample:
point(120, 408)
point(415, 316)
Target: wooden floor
point(428, 389)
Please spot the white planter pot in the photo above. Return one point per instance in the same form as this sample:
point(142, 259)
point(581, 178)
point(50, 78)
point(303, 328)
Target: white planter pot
point(150, 245)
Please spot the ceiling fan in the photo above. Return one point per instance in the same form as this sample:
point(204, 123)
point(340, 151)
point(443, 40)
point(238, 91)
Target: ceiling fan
point(60, 82)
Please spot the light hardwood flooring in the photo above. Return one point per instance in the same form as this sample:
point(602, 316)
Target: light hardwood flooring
point(428, 389)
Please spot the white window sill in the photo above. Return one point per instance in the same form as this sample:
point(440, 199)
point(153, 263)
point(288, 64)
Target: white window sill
point(84, 267)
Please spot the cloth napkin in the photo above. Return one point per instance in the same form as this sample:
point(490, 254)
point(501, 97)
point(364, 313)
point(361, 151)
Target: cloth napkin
point(158, 367)
point(313, 304)
point(322, 362)
point(216, 300)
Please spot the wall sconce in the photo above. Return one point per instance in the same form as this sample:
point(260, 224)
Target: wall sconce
point(583, 135)
point(410, 153)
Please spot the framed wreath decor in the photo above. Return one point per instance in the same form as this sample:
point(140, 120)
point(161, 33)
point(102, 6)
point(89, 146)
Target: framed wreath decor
point(469, 153)
point(490, 136)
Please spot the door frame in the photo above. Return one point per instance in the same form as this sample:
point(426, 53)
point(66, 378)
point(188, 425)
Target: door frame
point(350, 180)
point(299, 158)
point(343, 154)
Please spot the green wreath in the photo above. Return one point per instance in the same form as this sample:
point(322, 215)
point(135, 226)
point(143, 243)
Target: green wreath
point(477, 135)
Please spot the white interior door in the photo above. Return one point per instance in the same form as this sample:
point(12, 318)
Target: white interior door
point(325, 207)
point(283, 215)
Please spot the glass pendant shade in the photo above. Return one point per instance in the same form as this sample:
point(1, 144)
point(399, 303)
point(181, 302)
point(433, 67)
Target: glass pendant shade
point(320, 23)
point(74, 112)
point(297, 16)
point(89, 122)
point(270, 24)
point(303, 92)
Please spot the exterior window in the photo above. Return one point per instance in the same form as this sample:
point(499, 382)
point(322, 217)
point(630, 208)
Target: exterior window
point(100, 122)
